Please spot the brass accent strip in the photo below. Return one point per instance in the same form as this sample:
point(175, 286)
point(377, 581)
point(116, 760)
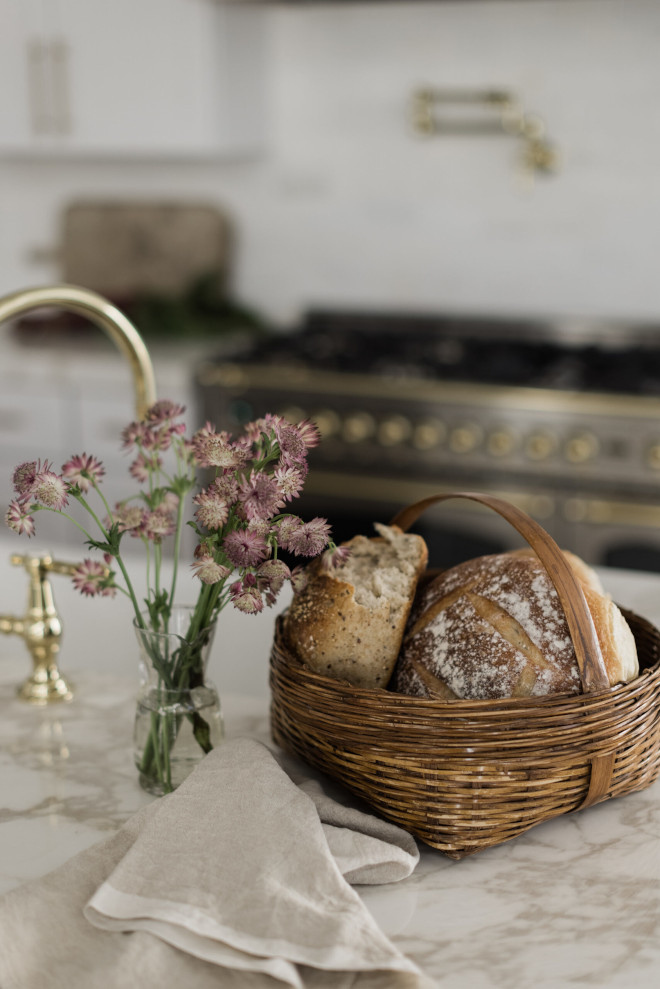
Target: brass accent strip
point(601, 512)
point(395, 491)
point(101, 312)
point(387, 490)
point(233, 376)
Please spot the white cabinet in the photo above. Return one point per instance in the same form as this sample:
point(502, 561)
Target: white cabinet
point(131, 77)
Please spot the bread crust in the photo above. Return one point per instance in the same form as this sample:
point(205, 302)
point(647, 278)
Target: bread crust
point(493, 627)
point(333, 634)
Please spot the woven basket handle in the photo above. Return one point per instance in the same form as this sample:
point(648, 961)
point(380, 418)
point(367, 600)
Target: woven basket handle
point(580, 623)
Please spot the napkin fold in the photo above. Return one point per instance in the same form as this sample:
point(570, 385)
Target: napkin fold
point(241, 877)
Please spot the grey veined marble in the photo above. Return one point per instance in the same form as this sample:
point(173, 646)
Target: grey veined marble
point(575, 901)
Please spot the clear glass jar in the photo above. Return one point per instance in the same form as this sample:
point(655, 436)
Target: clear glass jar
point(178, 717)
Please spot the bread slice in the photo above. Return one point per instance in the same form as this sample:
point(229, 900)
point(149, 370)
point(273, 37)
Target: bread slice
point(349, 624)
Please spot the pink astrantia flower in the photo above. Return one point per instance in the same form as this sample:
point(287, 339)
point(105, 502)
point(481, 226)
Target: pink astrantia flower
point(216, 449)
point(290, 481)
point(310, 538)
point(142, 466)
point(244, 548)
point(18, 517)
point(261, 526)
point(156, 525)
point(212, 511)
point(299, 579)
point(246, 598)
point(26, 474)
point(286, 528)
point(270, 577)
point(310, 433)
point(134, 433)
point(91, 578)
point(259, 495)
point(237, 515)
point(50, 490)
point(129, 518)
point(334, 557)
point(293, 449)
point(208, 571)
point(163, 410)
point(83, 471)
point(226, 486)
point(169, 502)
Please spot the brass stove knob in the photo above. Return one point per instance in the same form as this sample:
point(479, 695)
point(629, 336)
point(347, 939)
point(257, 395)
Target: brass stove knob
point(465, 438)
point(358, 427)
point(541, 445)
point(428, 433)
point(653, 456)
point(394, 430)
point(501, 442)
point(581, 447)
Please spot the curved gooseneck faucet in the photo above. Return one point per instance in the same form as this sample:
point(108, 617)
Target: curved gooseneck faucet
point(87, 303)
point(41, 627)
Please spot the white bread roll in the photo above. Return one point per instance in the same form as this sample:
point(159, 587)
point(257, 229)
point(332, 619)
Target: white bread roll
point(349, 623)
point(494, 627)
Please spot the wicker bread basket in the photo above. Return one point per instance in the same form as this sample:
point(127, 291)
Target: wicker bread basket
point(465, 775)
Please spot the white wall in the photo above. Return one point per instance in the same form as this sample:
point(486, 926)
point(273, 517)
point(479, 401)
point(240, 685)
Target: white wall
point(348, 207)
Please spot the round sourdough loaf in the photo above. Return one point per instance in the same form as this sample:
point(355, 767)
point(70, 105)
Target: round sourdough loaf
point(349, 623)
point(493, 627)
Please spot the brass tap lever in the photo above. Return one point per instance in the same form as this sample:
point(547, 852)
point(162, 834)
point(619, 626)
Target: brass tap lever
point(41, 630)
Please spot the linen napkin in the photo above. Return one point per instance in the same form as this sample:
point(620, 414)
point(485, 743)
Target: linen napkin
point(239, 878)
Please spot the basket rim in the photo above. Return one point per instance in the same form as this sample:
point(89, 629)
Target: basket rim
point(520, 704)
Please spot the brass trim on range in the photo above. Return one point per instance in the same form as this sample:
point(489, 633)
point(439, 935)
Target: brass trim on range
point(597, 511)
point(239, 377)
point(395, 491)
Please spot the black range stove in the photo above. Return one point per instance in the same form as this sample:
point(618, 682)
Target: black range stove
point(562, 417)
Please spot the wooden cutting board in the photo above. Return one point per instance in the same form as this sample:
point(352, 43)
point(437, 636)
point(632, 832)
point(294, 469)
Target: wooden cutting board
point(127, 249)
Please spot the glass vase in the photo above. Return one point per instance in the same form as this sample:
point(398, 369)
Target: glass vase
point(178, 718)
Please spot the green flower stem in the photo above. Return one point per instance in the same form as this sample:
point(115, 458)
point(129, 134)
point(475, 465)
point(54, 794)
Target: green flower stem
point(156, 752)
point(131, 592)
point(155, 749)
point(158, 560)
point(117, 556)
point(177, 549)
point(65, 515)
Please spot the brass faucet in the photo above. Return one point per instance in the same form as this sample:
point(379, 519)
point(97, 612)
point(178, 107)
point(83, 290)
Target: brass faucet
point(110, 319)
point(41, 628)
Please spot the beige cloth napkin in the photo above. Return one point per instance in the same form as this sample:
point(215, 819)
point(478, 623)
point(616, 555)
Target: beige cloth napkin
point(240, 878)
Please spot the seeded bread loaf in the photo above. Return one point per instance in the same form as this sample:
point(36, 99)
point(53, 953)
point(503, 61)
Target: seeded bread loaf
point(493, 627)
point(349, 624)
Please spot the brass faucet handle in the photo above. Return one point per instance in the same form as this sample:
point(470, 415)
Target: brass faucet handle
point(57, 566)
point(44, 563)
point(40, 629)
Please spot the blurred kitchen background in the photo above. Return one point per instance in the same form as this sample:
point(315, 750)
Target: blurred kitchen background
point(434, 227)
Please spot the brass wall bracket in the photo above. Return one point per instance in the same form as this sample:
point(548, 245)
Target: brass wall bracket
point(41, 630)
point(461, 112)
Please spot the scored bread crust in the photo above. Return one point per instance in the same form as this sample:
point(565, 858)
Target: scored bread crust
point(493, 627)
point(349, 624)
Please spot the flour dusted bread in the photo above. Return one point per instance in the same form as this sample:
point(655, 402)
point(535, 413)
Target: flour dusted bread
point(494, 627)
point(349, 623)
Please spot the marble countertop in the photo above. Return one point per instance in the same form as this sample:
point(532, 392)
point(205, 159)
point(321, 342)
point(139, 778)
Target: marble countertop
point(575, 900)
